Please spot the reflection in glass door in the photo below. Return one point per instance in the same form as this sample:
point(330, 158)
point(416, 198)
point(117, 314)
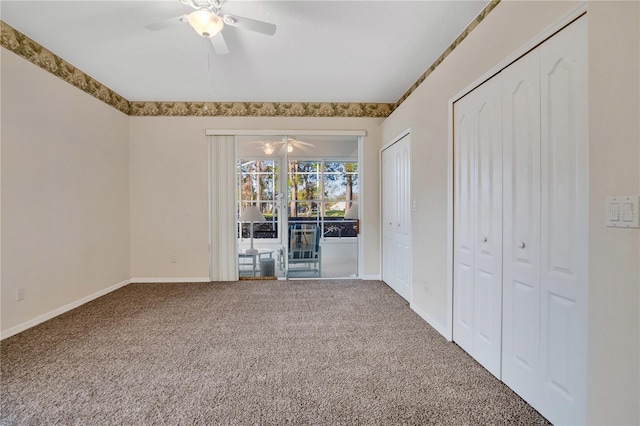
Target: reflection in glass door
point(259, 223)
point(306, 189)
point(321, 192)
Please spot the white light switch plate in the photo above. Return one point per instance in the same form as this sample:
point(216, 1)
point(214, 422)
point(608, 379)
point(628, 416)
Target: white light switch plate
point(622, 212)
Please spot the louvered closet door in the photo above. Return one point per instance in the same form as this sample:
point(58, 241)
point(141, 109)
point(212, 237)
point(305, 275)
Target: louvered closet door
point(478, 224)
point(521, 279)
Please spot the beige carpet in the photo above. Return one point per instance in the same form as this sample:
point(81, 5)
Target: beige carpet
point(254, 352)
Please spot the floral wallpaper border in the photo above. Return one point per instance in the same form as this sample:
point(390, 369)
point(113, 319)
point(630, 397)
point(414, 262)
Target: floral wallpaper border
point(492, 4)
point(23, 46)
point(259, 109)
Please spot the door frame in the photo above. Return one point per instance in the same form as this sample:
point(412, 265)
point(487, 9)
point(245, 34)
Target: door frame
point(573, 14)
point(360, 134)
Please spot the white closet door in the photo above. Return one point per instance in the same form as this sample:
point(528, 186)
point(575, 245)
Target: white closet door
point(521, 279)
point(464, 238)
point(389, 263)
point(564, 139)
point(396, 163)
point(488, 253)
point(539, 264)
point(403, 216)
point(478, 272)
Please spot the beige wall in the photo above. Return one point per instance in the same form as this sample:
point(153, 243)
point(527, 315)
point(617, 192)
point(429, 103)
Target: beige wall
point(614, 326)
point(169, 195)
point(614, 287)
point(65, 204)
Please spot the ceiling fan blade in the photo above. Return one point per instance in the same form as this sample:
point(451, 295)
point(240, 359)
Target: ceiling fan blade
point(167, 23)
point(295, 141)
point(303, 149)
point(249, 24)
point(219, 45)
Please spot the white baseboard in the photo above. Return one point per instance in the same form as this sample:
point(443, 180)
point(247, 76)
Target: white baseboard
point(171, 280)
point(433, 323)
point(371, 277)
point(45, 317)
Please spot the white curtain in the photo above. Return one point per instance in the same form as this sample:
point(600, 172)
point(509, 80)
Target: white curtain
point(224, 254)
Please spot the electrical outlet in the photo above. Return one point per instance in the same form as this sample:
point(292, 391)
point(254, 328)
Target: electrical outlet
point(19, 294)
point(173, 258)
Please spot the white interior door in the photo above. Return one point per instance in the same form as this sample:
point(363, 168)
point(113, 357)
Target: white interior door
point(464, 235)
point(487, 298)
point(546, 200)
point(521, 279)
point(396, 217)
point(389, 263)
point(544, 246)
point(478, 224)
point(565, 202)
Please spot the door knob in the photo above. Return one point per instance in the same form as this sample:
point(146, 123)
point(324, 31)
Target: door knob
point(484, 239)
point(522, 245)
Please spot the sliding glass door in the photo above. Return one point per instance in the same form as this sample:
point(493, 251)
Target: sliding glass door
point(303, 192)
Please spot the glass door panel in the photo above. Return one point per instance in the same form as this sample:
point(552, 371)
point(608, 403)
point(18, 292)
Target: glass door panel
point(303, 192)
point(322, 184)
point(259, 226)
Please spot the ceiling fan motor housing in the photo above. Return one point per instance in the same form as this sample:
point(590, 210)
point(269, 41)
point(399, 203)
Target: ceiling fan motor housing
point(205, 22)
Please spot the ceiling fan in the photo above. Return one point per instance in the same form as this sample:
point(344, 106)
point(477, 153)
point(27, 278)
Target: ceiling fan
point(269, 147)
point(208, 22)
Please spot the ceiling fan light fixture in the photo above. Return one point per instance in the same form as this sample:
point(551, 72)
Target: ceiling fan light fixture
point(268, 148)
point(205, 22)
point(290, 147)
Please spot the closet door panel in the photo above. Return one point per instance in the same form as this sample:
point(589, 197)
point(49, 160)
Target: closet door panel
point(564, 140)
point(387, 209)
point(521, 168)
point(396, 219)
point(403, 218)
point(485, 333)
point(478, 224)
point(388, 217)
point(398, 203)
point(464, 224)
point(488, 249)
point(465, 182)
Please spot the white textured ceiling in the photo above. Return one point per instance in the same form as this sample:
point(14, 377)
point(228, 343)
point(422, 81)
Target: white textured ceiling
point(322, 51)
